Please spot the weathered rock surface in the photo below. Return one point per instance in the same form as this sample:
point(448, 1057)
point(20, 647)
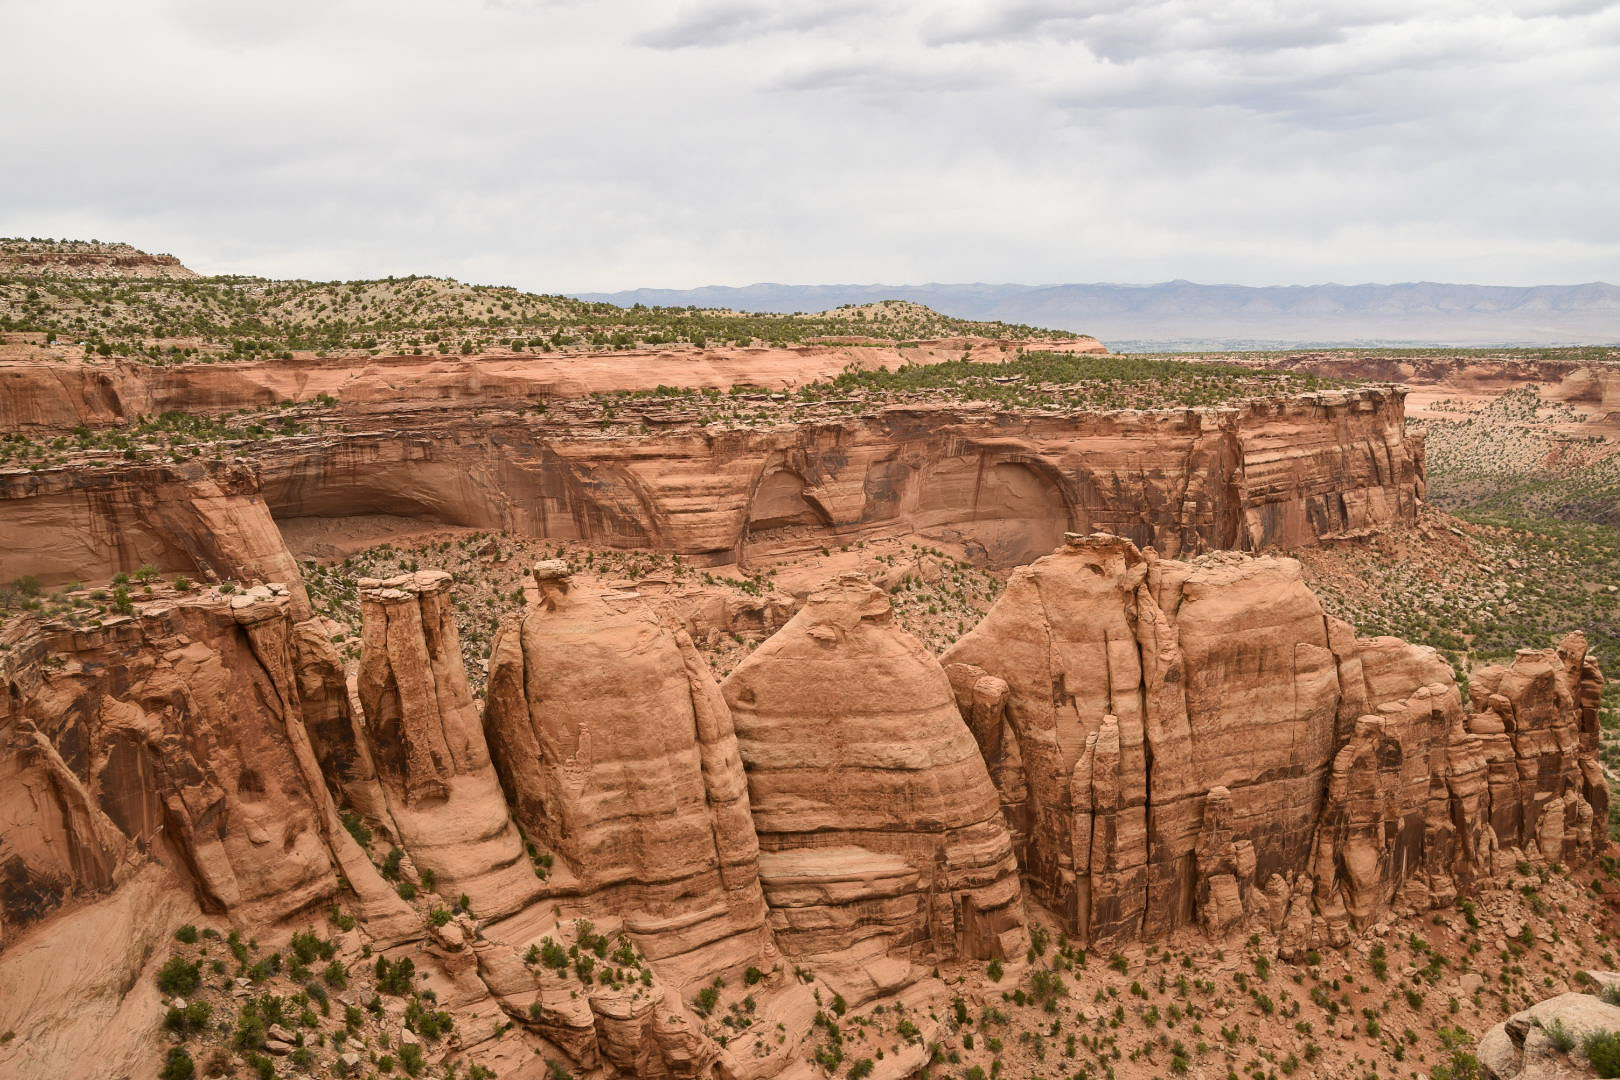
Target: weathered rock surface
point(1153, 744)
point(83, 524)
point(176, 737)
point(879, 828)
point(1005, 485)
point(1591, 385)
point(153, 769)
point(428, 747)
point(1522, 1047)
point(56, 395)
point(1182, 743)
point(618, 757)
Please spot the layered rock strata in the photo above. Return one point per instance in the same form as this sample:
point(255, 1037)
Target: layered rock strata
point(1197, 743)
point(879, 828)
point(618, 757)
point(86, 524)
point(1003, 485)
point(55, 395)
point(428, 748)
point(175, 737)
point(1154, 744)
point(1593, 386)
point(154, 769)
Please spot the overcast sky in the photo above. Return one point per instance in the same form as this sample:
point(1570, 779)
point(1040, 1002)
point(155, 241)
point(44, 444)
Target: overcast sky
point(609, 144)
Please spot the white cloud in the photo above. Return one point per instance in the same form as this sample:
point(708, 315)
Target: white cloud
point(564, 145)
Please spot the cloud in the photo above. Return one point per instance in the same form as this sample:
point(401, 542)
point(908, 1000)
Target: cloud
point(729, 22)
point(563, 145)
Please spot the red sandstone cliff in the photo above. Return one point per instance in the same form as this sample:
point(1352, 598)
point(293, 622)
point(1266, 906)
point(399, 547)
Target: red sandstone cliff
point(54, 396)
point(618, 756)
point(1197, 743)
point(879, 827)
point(1153, 744)
point(1004, 485)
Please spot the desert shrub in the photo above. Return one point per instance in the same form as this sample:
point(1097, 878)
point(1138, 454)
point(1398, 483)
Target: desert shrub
point(395, 978)
point(194, 1017)
point(178, 1065)
point(1558, 1033)
point(411, 1059)
point(1462, 1066)
point(1602, 1049)
point(179, 976)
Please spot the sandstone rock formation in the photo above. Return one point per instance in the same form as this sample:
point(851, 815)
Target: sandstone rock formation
point(1146, 744)
point(153, 768)
point(1181, 743)
point(1004, 485)
point(53, 396)
point(175, 737)
point(879, 828)
point(203, 517)
point(1522, 1046)
point(617, 754)
point(1593, 386)
point(432, 761)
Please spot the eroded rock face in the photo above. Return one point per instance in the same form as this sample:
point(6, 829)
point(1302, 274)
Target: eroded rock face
point(1522, 1047)
point(1182, 743)
point(427, 745)
point(1155, 744)
point(204, 518)
point(879, 828)
point(618, 756)
point(1004, 485)
point(175, 737)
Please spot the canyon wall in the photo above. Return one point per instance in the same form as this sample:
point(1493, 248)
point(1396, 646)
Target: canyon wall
point(1195, 743)
point(53, 396)
point(82, 523)
point(1593, 386)
point(1005, 486)
point(1147, 745)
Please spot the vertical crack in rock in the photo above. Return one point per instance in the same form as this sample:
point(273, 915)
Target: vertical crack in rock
point(1273, 767)
point(618, 753)
point(441, 790)
point(870, 797)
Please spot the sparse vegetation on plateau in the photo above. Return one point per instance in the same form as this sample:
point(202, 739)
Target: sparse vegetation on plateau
point(169, 320)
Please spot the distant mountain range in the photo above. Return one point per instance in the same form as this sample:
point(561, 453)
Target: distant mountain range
point(1185, 313)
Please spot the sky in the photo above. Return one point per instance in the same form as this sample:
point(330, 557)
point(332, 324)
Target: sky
point(574, 145)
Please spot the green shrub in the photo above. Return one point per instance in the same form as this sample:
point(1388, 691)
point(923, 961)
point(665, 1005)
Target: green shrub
point(186, 935)
point(194, 1017)
point(1602, 1049)
point(395, 979)
point(1558, 1033)
point(179, 977)
point(1462, 1066)
point(179, 1065)
point(411, 1058)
